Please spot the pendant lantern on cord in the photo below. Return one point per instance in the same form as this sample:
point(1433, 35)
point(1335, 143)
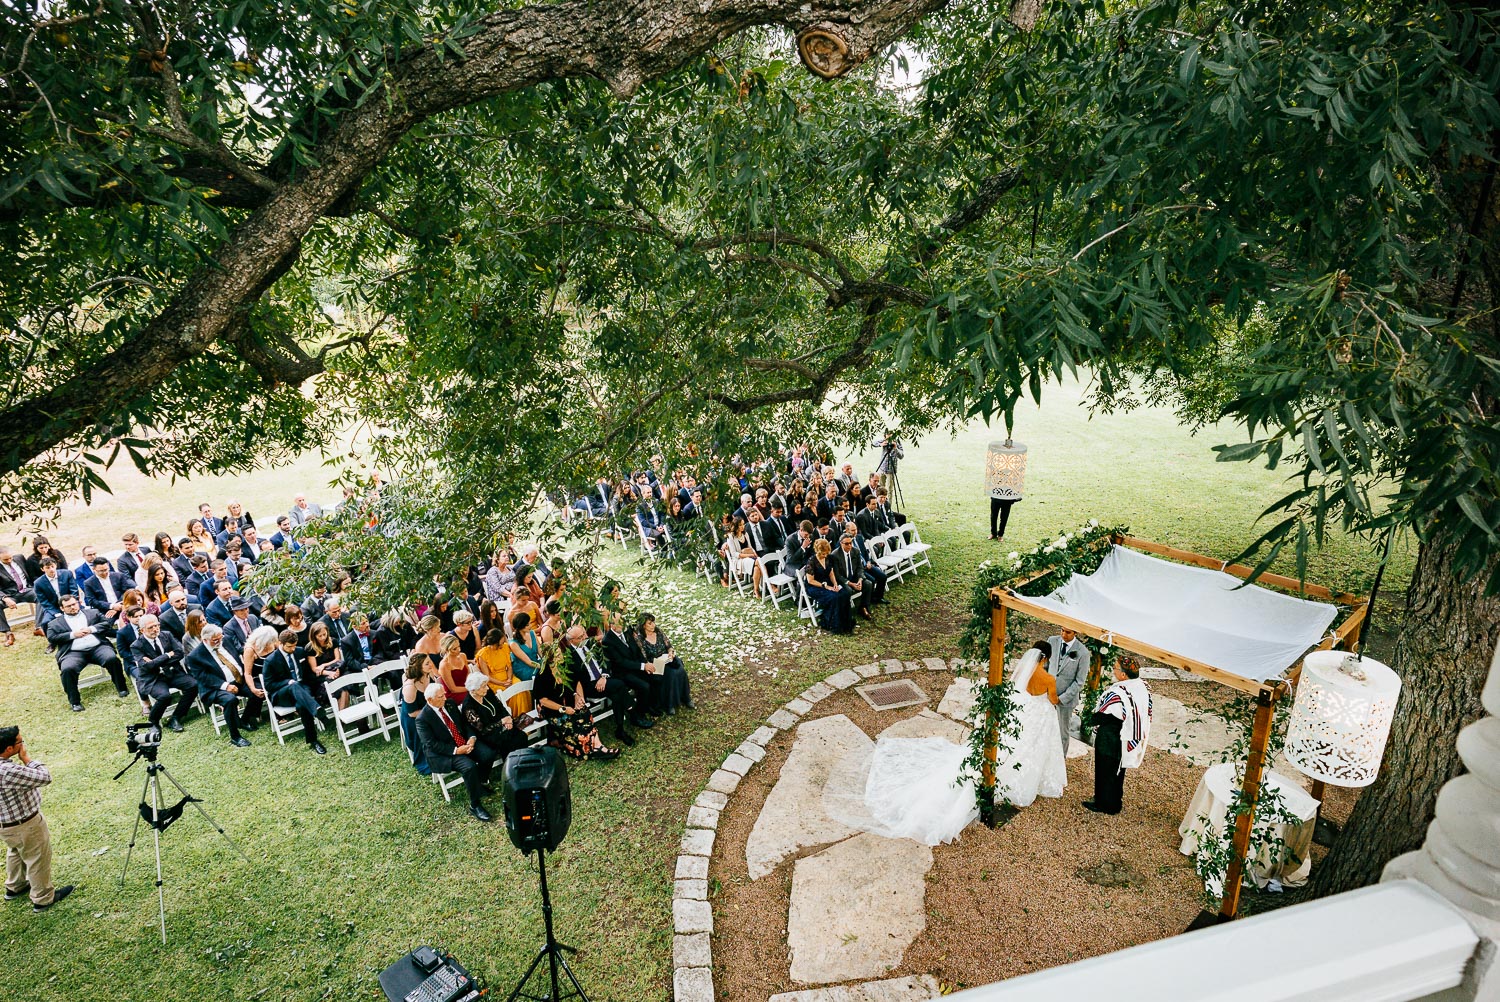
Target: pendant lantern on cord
point(1342, 718)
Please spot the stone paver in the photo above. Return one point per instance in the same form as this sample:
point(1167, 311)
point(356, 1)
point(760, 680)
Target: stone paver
point(697, 842)
point(958, 701)
point(913, 666)
point(867, 671)
point(856, 906)
point(692, 868)
point(793, 815)
point(762, 736)
point(737, 764)
point(893, 666)
point(751, 750)
point(723, 782)
point(711, 799)
point(910, 989)
point(928, 725)
point(702, 817)
point(781, 720)
point(843, 679)
point(817, 693)
point(693, 916)
point(693, 984)
point(798, 706)
point(692, 950)
point(692, 890)
point(935, 664)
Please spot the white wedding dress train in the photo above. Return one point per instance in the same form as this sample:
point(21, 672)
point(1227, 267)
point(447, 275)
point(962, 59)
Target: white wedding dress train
point(911, 786)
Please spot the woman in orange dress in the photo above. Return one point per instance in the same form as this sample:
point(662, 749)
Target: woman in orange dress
point(494, 661)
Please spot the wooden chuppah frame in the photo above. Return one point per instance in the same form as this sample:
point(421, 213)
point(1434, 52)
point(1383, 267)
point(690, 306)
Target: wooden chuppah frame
point(1004, 598)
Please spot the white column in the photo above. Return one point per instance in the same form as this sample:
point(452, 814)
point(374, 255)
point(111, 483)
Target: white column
point(1461, 857)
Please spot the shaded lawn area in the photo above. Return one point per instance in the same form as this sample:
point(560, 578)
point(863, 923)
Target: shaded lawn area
point(359, 859)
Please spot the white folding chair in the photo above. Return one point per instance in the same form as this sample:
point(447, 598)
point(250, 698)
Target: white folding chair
point(886, 558)
point(535, 728)
point(913, 547)
point(448, 782)
point(362, 706)
point(737, 577)
point(389, 700)
point(284, 720)
point(774, 578)
point(805, 607)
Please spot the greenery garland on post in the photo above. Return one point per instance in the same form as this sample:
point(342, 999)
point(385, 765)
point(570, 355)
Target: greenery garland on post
point(1033, 572)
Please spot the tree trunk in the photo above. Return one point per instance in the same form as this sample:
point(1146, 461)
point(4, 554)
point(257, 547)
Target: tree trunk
point(1442, 655)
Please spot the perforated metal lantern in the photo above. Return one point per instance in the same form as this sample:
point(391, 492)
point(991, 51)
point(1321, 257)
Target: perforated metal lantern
point(1340, 721)
point(1005, 470)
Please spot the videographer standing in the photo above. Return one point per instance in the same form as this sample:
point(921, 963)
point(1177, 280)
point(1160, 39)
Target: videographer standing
point(28, 856)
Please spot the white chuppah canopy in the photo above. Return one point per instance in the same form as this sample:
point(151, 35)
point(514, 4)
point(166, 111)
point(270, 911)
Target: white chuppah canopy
point(1202, 614)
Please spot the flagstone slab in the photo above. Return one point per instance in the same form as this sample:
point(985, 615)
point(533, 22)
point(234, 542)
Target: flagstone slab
point(958, 701)
point(910, 989)
point(867, 671)
point(928, 725)
point(793, 816)
point(935, 664)
point(843, 679)
point(1197, 735)
point(855, 908)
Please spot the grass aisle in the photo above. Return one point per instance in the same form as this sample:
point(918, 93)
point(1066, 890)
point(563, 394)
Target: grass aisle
point(358, 859)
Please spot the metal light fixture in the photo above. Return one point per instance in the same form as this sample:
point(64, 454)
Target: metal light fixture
point(1005, 470)
point(1342, 718)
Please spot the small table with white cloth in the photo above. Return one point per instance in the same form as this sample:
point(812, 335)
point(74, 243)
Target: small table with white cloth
point(1287, 857)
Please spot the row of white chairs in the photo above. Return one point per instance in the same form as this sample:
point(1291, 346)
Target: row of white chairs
point(898, 552)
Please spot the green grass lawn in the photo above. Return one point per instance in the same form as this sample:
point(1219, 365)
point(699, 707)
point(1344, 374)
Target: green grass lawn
point(356, 860)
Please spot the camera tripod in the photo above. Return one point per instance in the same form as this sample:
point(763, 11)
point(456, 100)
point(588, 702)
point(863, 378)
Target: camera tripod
point(551, 949)
point(154, 811)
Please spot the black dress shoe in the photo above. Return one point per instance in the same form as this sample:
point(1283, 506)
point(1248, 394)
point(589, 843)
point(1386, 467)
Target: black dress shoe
point(121, 693)
point(249, 727)
point(1090, 805)
point(21, 892)
point(642, 721)
point(175, 726)
point(57, 896)
point(77, 707)
point(479, 812)
point(689, 704)
point(239, 742)
point(624, 738)
point(317, 747)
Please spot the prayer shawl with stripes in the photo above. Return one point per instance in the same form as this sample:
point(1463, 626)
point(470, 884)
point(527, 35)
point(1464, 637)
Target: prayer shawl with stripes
point(1130, 701)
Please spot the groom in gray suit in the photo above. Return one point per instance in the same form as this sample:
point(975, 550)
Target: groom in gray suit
point(1070, 666)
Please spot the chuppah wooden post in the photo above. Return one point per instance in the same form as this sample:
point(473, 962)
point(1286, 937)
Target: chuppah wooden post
point(996, 677)
point(1260, 738)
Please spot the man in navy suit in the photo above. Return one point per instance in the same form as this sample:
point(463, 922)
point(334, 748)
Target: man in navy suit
point(130, 560)
point(282, 538)
point(218, 611)
point(104, 589)
point(55, 584)
point(241, 623)
point(210, 588)
point(875, 578)
point(159, 670)
point(221, 682)
point(206, 516)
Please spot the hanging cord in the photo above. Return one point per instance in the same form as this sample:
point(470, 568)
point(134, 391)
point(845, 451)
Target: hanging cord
point(1385, 556)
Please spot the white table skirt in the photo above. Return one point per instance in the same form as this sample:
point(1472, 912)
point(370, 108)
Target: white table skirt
point(1287, 858)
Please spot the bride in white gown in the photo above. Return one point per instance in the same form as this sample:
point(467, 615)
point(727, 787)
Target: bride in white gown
point(913, 789)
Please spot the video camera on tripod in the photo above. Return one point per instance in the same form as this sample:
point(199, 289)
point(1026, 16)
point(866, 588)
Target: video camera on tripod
point(143, 740)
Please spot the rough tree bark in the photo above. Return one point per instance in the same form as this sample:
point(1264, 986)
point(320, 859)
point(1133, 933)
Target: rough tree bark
point(624, 43)
point(1442, 654)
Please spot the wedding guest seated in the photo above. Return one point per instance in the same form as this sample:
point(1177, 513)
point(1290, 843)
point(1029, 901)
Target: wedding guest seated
point(490, 720)
point(192, 630)
point(15, 588)
point(450, 748)
point(281, 676)
point(499, 579)
point(173, 615)
point(626, 665)
point(466, 632)
point(829, 598)
point(322, 662)
point(103, 587)
point(127, 632)
point(395, 635)
point(525, 647)
point(333, 617)
point(453, 669)
point(495, 663)
point(79, 638)
point(241, 623)
point(652, 644)
point(221, 682)
point(570, 725)
point(159, 669)
point(849, 572)
point(358, 646)
point(420, 672)
point(51, 585)
point(302, 511)
point(892, 516)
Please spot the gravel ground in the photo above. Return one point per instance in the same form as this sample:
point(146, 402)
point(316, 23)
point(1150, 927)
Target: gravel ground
point(1053, 885)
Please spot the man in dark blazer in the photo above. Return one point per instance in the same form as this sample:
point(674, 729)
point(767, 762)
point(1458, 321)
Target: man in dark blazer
point(212, 523)
point(187, 549)
point(361, 647)
point(241, 623)
point(799, 548)
point(312, 605)
point(871, 520)
point(221, 682)
point(625, 664)
point(590, 668)
point(105, 589)
point(174, 614)
point(765, 534)
point(281, 681)
point(159, 670)
point(875, 579)
point(80, 637)
point(849, 571)
point(828, 504)
point(15, 588)
point(209, 589)
point(50, 588)
point(130, 561)
point(450, 748)
point(217, 611)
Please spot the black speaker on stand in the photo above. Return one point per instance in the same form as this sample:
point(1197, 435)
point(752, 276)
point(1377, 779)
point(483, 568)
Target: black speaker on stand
point(538, 810)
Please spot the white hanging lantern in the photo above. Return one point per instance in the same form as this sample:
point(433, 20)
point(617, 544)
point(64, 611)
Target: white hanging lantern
point(1342, 718)
point(1005, 470)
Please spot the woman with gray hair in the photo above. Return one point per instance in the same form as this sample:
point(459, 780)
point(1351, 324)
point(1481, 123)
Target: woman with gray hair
point(490, 720)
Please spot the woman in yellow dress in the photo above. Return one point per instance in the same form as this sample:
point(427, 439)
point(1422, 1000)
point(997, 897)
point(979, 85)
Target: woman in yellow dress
point(494, 660)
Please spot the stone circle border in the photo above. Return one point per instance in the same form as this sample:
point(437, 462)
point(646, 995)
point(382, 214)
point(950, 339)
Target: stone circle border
point(692, 914)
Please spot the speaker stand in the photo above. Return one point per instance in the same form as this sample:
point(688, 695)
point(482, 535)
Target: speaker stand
point(552, 950)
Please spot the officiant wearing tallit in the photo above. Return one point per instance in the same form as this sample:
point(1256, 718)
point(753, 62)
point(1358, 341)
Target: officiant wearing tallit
point(1122, 726)
point(1070, 666)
